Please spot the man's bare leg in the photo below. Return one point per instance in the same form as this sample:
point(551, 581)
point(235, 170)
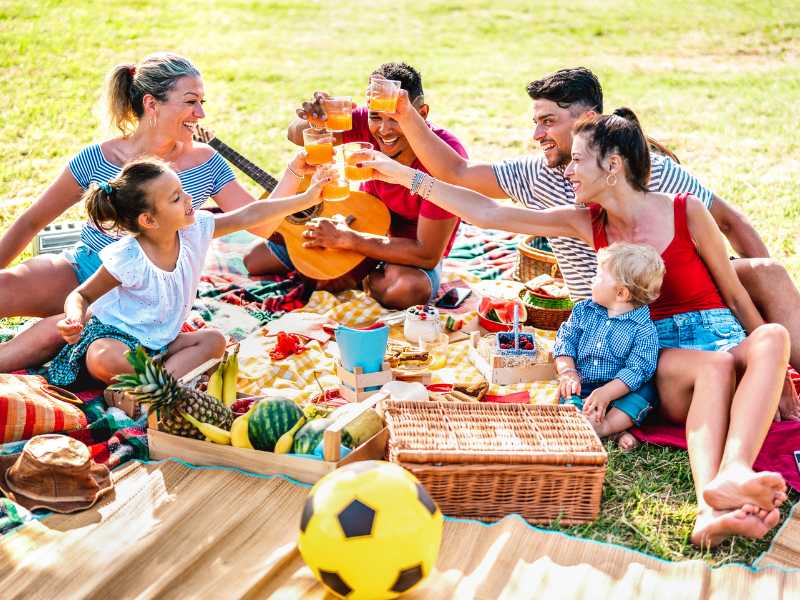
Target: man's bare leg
point(399, 286)
point(261, 261)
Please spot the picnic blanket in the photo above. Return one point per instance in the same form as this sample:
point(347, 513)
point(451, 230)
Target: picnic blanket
point(172, 531)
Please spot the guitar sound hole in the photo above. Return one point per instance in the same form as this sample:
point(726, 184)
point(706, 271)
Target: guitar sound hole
point(301, 217)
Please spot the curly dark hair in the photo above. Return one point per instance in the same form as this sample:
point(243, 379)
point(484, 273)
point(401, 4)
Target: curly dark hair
point(570, 87)
point(409, 78)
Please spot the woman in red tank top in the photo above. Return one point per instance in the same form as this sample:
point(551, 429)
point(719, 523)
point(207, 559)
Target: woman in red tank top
point(725, 424)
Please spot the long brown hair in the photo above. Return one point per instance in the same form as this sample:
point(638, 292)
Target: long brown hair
point(116, 204)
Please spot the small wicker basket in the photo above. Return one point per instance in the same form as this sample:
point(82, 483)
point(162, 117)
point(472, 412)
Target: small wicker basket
point(532, 261)
point(540, 316)
point(487, 460)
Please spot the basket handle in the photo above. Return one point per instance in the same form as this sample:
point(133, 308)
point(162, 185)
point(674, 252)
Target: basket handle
point(58, 393)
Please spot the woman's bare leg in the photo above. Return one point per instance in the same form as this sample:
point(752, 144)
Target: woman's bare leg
point(754, 403)
point(33, 347)
point(696, 388)
point(35, 288)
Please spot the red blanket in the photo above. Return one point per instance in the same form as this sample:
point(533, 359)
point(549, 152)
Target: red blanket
point(777, 453)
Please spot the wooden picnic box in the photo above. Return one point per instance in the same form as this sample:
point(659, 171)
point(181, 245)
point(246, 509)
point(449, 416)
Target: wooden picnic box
point(495, 370)
point(487, 460)
point(308, 470)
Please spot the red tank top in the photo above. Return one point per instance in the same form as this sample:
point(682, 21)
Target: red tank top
point(687, 285)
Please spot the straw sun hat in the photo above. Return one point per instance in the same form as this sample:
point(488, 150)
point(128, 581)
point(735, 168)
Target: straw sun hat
point(54, 472)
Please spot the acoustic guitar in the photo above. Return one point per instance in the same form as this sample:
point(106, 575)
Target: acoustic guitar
point(363, 212)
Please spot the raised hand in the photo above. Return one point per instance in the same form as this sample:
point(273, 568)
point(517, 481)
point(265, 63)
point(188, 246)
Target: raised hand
point(312, 111)
point(387, 169)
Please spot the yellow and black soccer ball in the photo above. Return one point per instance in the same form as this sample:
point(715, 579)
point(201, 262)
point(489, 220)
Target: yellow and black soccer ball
point(370, 530)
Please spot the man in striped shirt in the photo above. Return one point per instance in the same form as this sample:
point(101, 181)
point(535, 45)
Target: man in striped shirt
point(538, 182)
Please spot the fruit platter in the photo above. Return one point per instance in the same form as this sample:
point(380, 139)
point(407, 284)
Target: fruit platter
point(193, 419)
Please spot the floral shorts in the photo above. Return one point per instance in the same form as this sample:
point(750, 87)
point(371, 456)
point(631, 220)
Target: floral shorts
point(67, 364)
point(713, 330)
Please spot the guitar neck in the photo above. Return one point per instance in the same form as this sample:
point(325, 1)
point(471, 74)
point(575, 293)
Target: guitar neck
point(257, 174)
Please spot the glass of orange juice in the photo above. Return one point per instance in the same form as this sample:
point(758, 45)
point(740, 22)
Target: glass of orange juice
point(382, 94)
point(354, 153)
point(339, 111)
point(319, 146)
point(338, 188)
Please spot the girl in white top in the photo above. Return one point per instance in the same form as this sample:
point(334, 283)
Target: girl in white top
point(144, 290)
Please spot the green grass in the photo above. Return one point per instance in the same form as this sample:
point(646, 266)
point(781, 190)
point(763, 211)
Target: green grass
point(717, 81)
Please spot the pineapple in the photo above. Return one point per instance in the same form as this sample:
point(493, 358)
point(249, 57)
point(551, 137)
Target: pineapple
point(152, 384)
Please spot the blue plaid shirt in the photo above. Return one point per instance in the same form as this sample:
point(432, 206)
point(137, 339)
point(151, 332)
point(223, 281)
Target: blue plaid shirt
point(623, 347)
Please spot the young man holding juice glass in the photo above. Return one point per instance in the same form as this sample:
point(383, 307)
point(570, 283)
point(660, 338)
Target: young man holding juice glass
point(405, 266)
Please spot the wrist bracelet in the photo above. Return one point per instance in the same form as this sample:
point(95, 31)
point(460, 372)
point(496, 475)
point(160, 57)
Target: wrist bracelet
point(289, 168)
point(416, 181)
point(565, 371)
point(427, 187)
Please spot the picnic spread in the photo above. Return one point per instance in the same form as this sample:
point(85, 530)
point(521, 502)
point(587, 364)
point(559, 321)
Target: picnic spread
point(470, 409)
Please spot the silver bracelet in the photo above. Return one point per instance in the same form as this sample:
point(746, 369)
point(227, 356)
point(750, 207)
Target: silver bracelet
point(565, 371)
point(289, 168)
point(427, 187)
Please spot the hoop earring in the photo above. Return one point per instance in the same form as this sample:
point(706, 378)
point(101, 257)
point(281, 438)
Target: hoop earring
point(608, 179)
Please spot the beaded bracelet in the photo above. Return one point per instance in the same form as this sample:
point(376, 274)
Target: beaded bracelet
point(427, 187)
point(416, 180)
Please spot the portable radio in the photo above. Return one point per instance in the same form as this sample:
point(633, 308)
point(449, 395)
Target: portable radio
point(57, 237)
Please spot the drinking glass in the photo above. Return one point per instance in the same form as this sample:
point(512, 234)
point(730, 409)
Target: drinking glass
point(354, 153)
point(339, 111)
point(338, 188)
point(382, 94)
point(319, 146)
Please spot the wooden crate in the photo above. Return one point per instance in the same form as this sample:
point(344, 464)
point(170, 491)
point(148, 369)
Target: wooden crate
point(354, 385)
point(495, 371)
point(308, 470)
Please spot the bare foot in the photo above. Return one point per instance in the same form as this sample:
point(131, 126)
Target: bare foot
point(734, 488)
point(789, 407)
point(713, 526)
point(625, 441)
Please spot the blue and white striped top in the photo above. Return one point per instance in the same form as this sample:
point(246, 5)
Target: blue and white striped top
point(529, 180)
point(200, 182)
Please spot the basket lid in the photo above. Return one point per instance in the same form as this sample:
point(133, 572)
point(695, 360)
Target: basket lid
point(465, 432)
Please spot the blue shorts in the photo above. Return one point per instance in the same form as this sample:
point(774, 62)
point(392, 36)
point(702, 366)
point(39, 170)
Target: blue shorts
point(434, 275)
point(713, 330)
point(84, 261)
point(637, 404)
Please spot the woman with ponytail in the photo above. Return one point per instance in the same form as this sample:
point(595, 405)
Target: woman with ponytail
point(701, 315)
point(155, 106)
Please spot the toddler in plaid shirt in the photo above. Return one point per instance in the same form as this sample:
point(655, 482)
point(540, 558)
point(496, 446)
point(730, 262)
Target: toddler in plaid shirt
point(606, 352)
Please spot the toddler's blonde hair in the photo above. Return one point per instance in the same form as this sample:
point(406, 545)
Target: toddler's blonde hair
point(636, 267)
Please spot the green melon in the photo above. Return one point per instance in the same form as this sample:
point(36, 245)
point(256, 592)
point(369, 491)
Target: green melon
point(310, 436)
point(269, 420)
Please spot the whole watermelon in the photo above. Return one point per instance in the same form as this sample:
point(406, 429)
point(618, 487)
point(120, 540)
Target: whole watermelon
point(310, 436)
point(269, 420)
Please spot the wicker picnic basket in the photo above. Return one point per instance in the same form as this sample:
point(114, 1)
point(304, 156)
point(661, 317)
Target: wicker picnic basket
point(543, 312)
point(487, 460)
point(534, 258)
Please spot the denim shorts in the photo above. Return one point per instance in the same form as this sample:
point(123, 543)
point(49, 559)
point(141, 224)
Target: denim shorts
point(434, 275)
point(84, 261)
point(713, 330)
point(636, 404)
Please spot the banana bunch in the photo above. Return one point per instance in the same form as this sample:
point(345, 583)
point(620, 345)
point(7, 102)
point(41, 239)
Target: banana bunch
point(222, 382)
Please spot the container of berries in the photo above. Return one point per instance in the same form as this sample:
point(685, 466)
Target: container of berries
point(525, 344)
